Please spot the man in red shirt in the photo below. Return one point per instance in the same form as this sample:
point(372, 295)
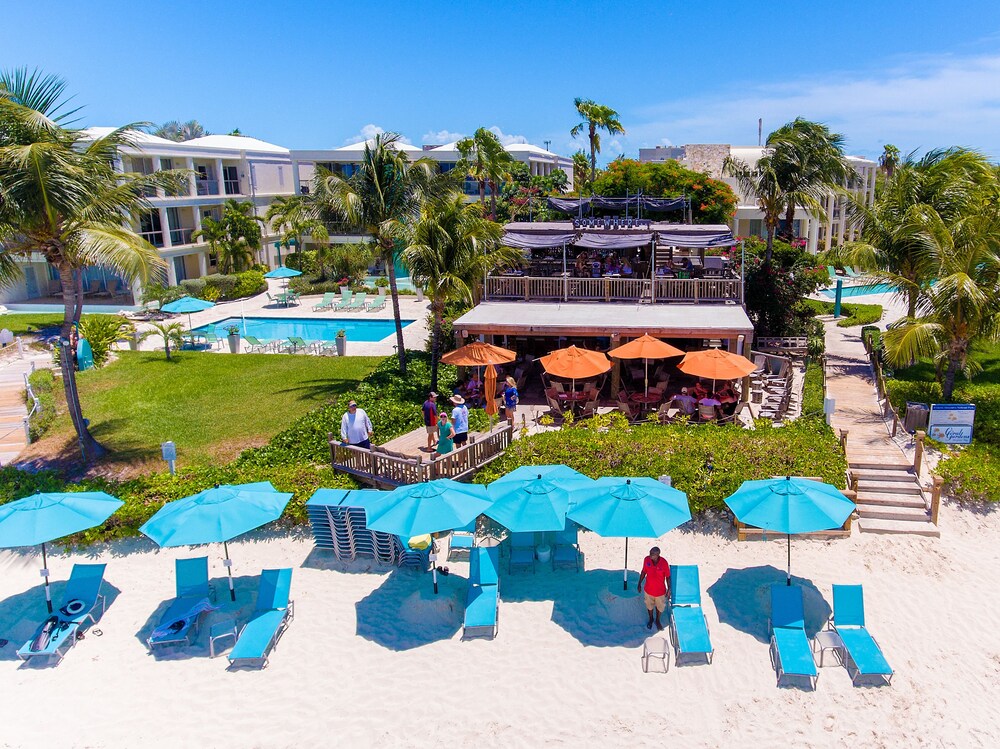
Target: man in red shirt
point(656, 573)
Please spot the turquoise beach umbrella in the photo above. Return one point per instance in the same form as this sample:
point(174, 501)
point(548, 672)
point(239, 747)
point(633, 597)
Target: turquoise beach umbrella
point(216, 515)
point(790, 505)
point(534, 499)
point(188, 305)
point(282, 272)
point(41, 518)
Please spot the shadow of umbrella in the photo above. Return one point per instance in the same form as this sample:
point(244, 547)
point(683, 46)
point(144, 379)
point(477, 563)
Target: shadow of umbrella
point(742, 600)
point(596, 612)
point(404, 613)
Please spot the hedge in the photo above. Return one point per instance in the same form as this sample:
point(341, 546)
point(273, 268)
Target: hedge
point(972, 474)
point(43, 384)
point(853, 313)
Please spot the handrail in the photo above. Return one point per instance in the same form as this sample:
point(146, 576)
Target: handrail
point(564, 288)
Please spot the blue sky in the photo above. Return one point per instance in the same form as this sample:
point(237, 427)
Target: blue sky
point(314, 74)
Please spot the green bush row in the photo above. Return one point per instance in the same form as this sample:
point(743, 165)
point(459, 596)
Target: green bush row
point(853, 313)
point(308, 286)
point(708, 462)
point(213, 288)
point(972, 474)
point(812, 390)
point(43, 384)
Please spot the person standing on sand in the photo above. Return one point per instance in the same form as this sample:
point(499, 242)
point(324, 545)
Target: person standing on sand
point(656, 573)
point(430, 419)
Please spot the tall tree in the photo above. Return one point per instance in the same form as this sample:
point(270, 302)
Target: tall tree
point(485, 160)
point(180, 131)
point(761, 183)
point(382, 198)
point(295, 217)
point(889, 160)
point(63, 200)
point(594, 118)
point(235, 238)
point(449, 249)
point(38, 91)
point(581, 173)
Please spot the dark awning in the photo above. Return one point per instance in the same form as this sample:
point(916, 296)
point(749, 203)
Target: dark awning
point(615, 241)
point(696, 236)
point(574, 205)
point(537, 241)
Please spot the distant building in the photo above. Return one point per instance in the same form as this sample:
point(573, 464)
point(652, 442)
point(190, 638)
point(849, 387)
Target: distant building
point(749, 220)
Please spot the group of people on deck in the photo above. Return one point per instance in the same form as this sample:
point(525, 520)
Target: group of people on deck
point(598, 265)
point(446, 432)
point(723, 401)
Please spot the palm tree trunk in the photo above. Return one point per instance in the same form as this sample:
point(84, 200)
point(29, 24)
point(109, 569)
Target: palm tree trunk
point(770, 245)
point(482, 191)
point(438, 309)
point(948, 386)
point(790, 221)
point(593, 155)
point(493, 200)
point(390, 265)
point(78, 306)
point(72, 297)
point(166, 346)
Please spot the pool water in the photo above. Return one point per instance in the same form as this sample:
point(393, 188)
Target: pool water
point(878, 288)
point(403, 283)
point(282, 328)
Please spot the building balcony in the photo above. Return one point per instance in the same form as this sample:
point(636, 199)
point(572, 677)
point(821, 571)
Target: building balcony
point(155, 238)
point(181, 236)
point(207, 186)
point(718, 290)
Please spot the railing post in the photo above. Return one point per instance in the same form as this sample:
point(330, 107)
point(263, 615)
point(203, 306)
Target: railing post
point(697, 285)
point(843, 440)
point(527, 292)
point(20, 346)
point(27, 431)
point(918, 453)
point(935, 497)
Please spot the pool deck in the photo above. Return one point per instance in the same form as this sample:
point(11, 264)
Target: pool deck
point(414, 334)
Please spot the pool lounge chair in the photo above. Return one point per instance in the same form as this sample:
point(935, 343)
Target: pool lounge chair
point(358, 302)
point(57, 634)
point(522, 551)
point(566, 549)
point(257, 345)
point(181, 621)
point(483, 600)
point(851, 272)
point(345, 300)
point(211, 339)
point(270, 618)
point(378, 302)
point(688, 625)
point(329, 298)
point(832, 272)
point(863, 656)
point(300, 343)
point(790, 651)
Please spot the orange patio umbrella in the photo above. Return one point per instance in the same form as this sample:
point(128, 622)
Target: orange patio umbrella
point(575, 363)
point(645, 347)
point(479, 354)
point(716, 364)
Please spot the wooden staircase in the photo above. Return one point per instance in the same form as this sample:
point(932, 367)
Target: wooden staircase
point(890, 499)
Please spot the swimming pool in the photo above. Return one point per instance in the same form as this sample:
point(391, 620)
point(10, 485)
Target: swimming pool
point(878, 288)
point(282, 328)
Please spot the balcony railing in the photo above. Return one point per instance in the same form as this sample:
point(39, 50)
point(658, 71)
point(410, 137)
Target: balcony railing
point(207, 186)
point(155, 238)
point(634, 290)
point(181, 236)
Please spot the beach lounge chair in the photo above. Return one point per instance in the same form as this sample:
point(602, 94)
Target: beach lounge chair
point(211, 339)
point(790, 651)
point(329, 298)
point(57, 634)
point(299, 343)
point(181, 621)
point(566, 549)
point(358, 302)
point(832, 272)
point(688, 625)
point(863, 656)
point(378, 302)
point(270, 618)
point(462, 541)
point(345, 300)
point(522, 551)
point(257, 345)
point(851, 272)
point(482, 603)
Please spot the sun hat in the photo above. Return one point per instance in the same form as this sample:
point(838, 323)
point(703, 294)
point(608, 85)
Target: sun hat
point(458, 400)
point(352, 403)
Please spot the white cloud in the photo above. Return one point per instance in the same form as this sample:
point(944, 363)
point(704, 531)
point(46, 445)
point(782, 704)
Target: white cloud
point(368, 132)
point(441, 137)
point(918, 103)
point(507, 139)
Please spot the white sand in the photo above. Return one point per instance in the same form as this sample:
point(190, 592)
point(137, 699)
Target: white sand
point(372, 658)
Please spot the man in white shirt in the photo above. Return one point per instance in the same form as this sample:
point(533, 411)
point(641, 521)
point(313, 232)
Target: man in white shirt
point(460, 419)
point(356, 427)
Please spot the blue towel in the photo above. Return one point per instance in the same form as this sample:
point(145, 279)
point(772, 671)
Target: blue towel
point(183, 613)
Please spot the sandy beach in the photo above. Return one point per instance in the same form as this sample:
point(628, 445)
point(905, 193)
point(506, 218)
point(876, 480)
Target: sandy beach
point(373, 658)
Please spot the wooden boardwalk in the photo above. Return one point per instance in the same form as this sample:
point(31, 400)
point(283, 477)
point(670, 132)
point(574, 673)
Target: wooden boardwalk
point(13, 368)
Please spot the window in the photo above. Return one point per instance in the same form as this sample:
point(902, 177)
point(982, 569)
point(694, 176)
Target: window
point(281, 176)
point(231, 178)
point(150, 228)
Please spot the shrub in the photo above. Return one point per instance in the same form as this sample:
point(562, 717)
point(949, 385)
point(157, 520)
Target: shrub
point(248, 283)
point(812, 390)
point(304, 261)
point(193, 286)
point(43, 385)
point(222, 283)
point(972, 474)
point(853, 314)
point(156, 292)
point(101, 332)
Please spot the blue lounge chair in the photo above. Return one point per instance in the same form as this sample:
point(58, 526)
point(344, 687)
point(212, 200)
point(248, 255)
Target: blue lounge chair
point(258, 345)
point(851, 273)
point(462, 541)
point(688, 625)
point(299, 343)
point(790, 651)
point(832, 272)
point(357, 303)
point(378, 302)
point(329, 299)
point(345, 300)
point(863, 655)
point(522, 551)
point(483, 601)
point(181, 621)
point(270, 618)
point(566, 549)
point(57, 634)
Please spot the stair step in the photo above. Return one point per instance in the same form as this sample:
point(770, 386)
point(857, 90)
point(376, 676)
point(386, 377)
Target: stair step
point(887, 512)
point(891, 500)
point(889, 487)
point(883, 475)
point(886, 465)
point(902, 527)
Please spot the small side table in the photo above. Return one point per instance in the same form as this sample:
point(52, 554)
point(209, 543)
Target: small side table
point(656, 646)
point(828, 639)
point(220, 631)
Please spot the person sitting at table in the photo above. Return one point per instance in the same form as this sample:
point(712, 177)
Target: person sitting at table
point(582, 269)
point(626, 269)
point(709, 409)
point(612, 267)
point(728, 397)
point(473, 389)
point(699, 390)
point(685, 402)
point(662, 271)
point(595, 269)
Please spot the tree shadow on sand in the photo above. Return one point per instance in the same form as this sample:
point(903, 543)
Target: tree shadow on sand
point(742, 599)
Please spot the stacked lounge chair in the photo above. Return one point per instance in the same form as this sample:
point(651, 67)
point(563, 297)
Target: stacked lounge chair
point(181, 621)
point(272, 614)
point(790, 651)
point(483, 601)
point(863, 656)
point(57, 634)
point(688, 625)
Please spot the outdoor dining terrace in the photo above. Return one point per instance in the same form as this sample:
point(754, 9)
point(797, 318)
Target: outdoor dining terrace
point(658, 290)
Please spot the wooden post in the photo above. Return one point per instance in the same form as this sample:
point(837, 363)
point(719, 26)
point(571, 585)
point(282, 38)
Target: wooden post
point(843, 440)
point(936, 498)
point(918, 453)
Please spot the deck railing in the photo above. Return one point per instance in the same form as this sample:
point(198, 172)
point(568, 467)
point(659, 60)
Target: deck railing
point(383, 468)
point(662, 290)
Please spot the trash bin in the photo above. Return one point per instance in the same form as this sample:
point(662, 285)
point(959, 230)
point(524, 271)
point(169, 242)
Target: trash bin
point(917, 416)
point(544, 553)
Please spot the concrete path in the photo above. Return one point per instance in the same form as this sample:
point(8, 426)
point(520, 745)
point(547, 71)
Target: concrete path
point(12, 408)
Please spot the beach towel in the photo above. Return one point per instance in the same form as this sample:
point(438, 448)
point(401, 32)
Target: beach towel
point(183, 621)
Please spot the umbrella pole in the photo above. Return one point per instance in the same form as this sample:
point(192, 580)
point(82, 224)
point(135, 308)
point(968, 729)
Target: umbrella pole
point(434, 576)
point(45, 574)
point(228, 563)
point(625, 573)
point(646, 362)
point(788, 575)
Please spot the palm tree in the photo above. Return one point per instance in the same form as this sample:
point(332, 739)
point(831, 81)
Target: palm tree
point(295, 217)
point(35, 90)
point(63, 200)
point(889, 160)
point(595, 117)
point(485, 160)
point(216, 237)
point(962, 308)
point(449, 250)
point(581, 170)
point(170, 332)
point(235, 238)
point(381, 199)
point(180, 131)
point(762, 183)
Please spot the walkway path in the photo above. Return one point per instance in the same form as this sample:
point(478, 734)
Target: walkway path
point(12, 409)
point(890, 498)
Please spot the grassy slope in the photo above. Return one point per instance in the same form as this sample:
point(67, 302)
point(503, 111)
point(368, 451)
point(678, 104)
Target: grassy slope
point(23, 323)
point(211, 406)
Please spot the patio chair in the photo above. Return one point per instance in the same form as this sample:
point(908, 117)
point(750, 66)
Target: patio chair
point(589, 409)
point(357, 303)
point(378, 302)
point(522, 551)
point(326, 348)
point(211, 339)
point(301, 343)
point(462, 541)
point(57, 634)
point(707, 413)
point(258, 345)
point(851, 272)
point(182, 619)
point(272, 614)
point(863, 656)
point(832, 272)
point(790, 651)
point(327, 302)
point(688, 625)
point(663, 413)
point(345, 300)
point(566, 549)
point(626, 407)
point(554, 405)
point(483, 601)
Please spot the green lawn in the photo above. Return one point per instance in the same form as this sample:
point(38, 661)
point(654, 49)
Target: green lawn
point(212, 406)
point(24, 323)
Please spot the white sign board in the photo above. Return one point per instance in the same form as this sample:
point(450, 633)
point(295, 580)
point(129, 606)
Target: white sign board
point(951, 422)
